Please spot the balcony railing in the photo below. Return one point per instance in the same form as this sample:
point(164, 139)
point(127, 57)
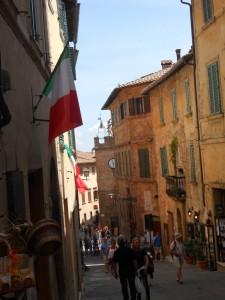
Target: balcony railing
point(175, 187)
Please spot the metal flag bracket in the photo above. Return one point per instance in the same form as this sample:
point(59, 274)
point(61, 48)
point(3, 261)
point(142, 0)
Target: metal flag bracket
point(34, 108)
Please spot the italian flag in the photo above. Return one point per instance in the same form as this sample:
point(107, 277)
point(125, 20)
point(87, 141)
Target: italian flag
point(80, 184)
point(60, 89)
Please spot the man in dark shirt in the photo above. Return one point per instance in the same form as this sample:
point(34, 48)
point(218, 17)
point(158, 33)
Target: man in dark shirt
point(125, 259)
point(142, 263)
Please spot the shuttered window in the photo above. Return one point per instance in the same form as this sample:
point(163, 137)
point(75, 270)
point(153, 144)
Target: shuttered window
point(207, 10)
point(35, 35)
point(174, 104)
point(139, 105)
point(71, 139)
point(164, 161)
point(144, 165)
point(129, 164)
point(62, 19)
point(192, 163)
point(214, 88)
point(161, 110)
point(188, 98)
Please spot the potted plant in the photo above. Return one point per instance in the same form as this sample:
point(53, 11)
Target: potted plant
point(202, 262)
point(190, 253)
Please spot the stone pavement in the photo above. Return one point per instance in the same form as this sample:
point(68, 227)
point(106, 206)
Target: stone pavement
point(198, 284)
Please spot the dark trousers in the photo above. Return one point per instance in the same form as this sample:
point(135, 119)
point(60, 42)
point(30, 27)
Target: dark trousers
point(125, 280)
point(147, 289)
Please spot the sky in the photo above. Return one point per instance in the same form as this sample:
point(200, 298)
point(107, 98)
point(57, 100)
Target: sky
point(120, 41)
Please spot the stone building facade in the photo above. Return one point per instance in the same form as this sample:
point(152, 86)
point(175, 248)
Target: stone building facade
point(208, 27)
point(32, 174)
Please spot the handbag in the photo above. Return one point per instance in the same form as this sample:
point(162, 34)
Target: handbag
point(140, 289)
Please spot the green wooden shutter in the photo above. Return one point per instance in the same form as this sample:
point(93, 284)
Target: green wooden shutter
point(144, 167)
point(161, 110)
point(71, 139)
point(174, 104)
point(207, 10)
point(188, 98)
point(214, 88)
point(62, 19)
point(164, 161)
point(192, 163)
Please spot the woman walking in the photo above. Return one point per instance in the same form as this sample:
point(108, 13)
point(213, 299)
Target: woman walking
point(177, 252)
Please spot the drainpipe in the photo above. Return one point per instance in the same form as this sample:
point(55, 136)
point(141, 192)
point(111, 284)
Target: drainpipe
point(196, 97)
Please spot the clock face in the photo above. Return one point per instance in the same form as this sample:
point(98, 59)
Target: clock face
point(112, 163)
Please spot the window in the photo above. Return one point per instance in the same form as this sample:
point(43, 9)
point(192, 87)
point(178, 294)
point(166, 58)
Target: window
point(95, 195)
point(123, 111)
point(71, 139)
point(174, 104)
point(188, 98)
point(207, 10)
point(161, 110)
point(214, 88)
point(85, 217)
point(93, 170)
point(89, 196)
point(91, 215)
point(139, 105)
point(192, 163)
point(83, 198)
point(35, 35)
point(144, 165)
point(129, 164)
point(164, 161)
point(62, 20)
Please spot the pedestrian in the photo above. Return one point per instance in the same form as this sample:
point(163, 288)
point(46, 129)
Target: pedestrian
point(112, 249)
point(177, 252)
point(124, 259)
point(142, 263)
point(105, 252)
point(157, 246)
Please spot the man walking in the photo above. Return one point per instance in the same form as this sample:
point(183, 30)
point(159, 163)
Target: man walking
point(124, 258)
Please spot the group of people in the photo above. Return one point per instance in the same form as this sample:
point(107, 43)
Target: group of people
point(131, 263)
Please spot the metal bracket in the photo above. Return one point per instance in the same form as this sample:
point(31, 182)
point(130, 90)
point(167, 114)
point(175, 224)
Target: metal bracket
point(34, 108)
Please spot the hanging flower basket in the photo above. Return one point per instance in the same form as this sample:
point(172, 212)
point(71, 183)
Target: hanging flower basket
point(44, 238)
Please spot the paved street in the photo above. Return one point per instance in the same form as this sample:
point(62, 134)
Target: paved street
point(198, 285)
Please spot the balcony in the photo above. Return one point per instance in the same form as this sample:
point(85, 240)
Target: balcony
point(175, 187)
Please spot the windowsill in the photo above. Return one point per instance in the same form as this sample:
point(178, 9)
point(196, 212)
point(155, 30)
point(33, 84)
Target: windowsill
point(194, 182)
point(188, 114)
point(213, 116)
point(208, 23)
point(162, 124)
point(174, 121)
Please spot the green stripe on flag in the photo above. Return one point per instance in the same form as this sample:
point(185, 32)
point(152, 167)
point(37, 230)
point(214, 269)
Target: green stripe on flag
point(69, 151)
point(49, 85)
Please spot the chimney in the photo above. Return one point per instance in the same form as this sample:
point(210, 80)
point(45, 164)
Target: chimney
point(166, 63)
point(178, 53)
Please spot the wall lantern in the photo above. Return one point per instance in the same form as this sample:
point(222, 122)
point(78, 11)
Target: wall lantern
point(196, 216)
point(189, 212)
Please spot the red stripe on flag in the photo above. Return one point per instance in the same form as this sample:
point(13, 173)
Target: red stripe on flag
point(64, 115)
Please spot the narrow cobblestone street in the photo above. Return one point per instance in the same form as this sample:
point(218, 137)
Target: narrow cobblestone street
point(198, 284)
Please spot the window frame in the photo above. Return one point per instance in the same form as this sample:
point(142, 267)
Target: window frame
point(144, 163)
point(164, 161)
point(207, 8)
point(215, 104)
